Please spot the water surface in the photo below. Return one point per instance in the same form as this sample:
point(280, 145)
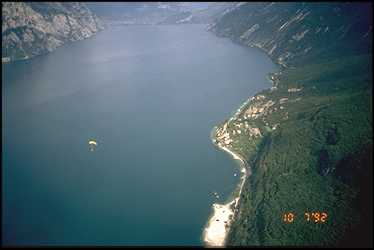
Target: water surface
point(150, 96)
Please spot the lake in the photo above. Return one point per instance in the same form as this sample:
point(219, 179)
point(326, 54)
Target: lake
point(150, 96)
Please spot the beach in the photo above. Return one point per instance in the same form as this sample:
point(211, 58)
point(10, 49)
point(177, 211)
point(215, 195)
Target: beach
point(218, 226)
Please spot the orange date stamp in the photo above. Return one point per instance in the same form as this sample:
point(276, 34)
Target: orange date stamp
point(316, 217)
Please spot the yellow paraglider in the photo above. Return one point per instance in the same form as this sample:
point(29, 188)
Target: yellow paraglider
point(92, 144)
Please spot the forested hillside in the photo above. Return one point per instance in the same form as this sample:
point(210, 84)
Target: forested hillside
point(314, 154)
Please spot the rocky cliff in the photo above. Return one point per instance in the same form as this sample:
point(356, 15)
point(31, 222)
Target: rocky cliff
point(33, 28)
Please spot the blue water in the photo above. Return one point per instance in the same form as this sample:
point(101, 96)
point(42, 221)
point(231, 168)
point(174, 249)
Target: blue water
point(150, 96)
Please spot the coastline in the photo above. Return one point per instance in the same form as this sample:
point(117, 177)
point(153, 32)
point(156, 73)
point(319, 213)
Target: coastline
point(218, 226)
point(215, 233)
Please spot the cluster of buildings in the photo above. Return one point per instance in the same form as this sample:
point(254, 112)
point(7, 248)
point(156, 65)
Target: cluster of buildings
point(259, 107)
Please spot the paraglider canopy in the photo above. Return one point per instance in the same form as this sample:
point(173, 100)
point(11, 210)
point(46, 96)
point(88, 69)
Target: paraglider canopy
point(92, 144)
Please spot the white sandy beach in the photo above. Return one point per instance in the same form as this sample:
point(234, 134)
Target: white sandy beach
point(216, 231)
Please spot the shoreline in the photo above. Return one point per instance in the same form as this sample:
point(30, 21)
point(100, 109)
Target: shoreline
point(215, 235)
point(218, 226)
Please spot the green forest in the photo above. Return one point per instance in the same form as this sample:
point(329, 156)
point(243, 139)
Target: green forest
point(319, 158)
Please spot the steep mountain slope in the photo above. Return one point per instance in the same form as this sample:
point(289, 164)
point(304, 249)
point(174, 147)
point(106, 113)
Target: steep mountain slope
point(294, 32)
point(136, 12)
point(312, 150)
point(212, 12)
point(31, 28)
point(159, 12)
